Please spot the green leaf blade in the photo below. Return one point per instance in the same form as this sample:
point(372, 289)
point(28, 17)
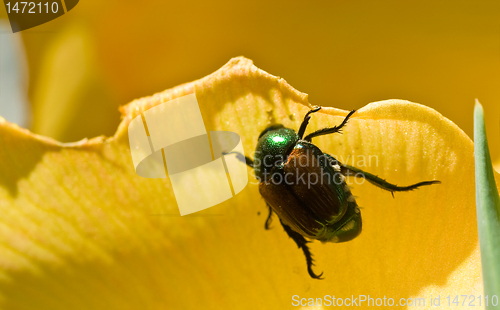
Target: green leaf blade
point(488, 208)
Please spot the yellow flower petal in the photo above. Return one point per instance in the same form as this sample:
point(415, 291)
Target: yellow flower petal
point(81, 230)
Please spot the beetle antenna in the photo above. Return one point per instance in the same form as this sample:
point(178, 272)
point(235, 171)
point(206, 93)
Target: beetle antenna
point(244, 159)
point(303, 126)
point(329, 130)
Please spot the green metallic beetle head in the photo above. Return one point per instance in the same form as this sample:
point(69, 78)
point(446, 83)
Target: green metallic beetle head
point(273, 146)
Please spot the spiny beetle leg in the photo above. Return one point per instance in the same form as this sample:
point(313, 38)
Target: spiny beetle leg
point(329, 130)
point(302, 244)
point(303, 126)
point(269, 217)
point(383, 184)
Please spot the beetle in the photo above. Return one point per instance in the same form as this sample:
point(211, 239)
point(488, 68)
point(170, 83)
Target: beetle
point(323, 210)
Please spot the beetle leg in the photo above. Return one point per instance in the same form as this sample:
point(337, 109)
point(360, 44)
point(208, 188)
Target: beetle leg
point(269, 217)
point(247, 160)
point(303, 126)
point(383, 184)
point(329, 130)
point(302, 244)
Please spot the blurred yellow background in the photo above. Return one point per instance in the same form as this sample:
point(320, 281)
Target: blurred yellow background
point(345, 54)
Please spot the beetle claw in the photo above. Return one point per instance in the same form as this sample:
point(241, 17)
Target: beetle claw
point(313, 275)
